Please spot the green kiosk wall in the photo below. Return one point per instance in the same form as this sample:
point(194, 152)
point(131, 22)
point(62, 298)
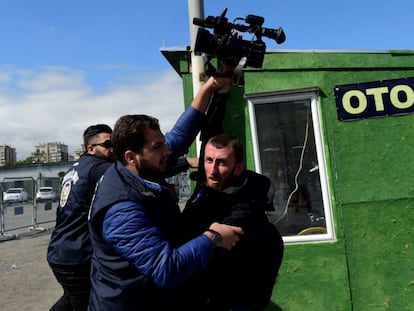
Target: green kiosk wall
point(370, 165)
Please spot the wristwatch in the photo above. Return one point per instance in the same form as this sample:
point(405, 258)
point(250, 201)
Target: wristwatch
point(217, 238)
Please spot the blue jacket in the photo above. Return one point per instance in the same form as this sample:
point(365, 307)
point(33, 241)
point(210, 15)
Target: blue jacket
point(69, 243)
point(137, 237)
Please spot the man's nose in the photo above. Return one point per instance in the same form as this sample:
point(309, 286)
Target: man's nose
point(214, 167)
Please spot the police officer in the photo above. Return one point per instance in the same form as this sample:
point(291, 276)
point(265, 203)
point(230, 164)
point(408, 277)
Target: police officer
point(69, 252)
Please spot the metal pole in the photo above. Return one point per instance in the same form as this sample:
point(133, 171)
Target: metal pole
point(1, 219)
point(196, 9)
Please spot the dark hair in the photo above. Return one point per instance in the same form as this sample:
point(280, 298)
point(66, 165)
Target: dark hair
point(129, 133)
point(94, 130)
point(224, 140)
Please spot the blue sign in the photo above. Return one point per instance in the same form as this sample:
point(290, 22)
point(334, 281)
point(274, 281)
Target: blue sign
point(374, 99)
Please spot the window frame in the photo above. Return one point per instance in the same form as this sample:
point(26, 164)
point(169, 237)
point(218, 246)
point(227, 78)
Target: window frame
point(310, 94)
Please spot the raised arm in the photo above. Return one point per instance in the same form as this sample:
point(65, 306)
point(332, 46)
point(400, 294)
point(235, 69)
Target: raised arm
point(217, 84)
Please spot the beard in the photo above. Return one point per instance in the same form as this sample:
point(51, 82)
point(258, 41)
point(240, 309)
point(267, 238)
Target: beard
point(150, 170)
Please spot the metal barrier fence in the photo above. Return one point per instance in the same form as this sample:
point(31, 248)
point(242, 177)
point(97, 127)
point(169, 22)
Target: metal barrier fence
point(182, 185)
point(28, 212)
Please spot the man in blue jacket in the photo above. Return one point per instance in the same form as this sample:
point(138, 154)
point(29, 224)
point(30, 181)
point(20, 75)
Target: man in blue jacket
point(140, 254)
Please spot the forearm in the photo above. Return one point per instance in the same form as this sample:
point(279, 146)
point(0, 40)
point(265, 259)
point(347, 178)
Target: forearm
point(141, 243)
point(213, 84)
point(184, 132)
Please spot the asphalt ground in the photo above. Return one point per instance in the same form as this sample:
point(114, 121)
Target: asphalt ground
point(26, 281)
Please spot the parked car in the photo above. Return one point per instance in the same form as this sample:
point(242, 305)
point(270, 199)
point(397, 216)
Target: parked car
point(15, 195)
point(45, 194)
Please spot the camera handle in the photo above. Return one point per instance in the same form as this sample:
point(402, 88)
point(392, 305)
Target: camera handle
point(213, 126)
point(236, 74)
point(238, 79)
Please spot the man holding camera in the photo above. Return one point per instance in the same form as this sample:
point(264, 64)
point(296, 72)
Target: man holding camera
point(243, 278)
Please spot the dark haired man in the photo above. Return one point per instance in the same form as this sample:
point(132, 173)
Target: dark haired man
point(243, 278)
point(140, 255)
point(69, 252)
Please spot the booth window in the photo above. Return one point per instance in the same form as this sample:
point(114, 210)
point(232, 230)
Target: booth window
point(288, 148)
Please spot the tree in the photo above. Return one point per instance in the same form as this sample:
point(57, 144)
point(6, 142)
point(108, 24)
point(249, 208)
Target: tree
point(38, 157)
point(28, 160)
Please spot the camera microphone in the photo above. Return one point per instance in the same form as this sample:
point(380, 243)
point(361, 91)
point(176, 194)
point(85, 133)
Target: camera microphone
point(254, 20)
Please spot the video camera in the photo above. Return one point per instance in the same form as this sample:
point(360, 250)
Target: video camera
point(228, 46)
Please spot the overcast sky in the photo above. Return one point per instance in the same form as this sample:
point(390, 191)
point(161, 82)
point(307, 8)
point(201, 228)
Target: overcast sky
point(67, 64)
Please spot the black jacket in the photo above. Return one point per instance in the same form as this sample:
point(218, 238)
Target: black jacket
point(244, 276)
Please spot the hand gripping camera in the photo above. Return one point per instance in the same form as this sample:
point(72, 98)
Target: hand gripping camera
point(227, 45)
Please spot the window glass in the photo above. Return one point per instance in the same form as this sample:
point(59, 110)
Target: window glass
point(286, 151)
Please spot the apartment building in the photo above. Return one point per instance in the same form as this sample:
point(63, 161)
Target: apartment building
point(7, 155)
point(51, 152)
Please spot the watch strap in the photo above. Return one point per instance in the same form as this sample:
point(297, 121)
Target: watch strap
point(216, 236)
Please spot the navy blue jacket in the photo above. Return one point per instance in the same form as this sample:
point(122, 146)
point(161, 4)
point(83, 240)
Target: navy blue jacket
point(70, 243)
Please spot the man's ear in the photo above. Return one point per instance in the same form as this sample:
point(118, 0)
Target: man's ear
point(129, 157)
point(239, 169)
point(90, 150)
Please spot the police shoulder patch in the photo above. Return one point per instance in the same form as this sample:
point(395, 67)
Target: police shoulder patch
point(64, 193)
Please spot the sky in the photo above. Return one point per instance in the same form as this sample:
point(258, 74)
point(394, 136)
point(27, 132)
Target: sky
point(65, 65)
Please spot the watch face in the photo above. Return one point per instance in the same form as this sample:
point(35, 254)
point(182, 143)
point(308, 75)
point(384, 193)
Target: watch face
point(217, 237)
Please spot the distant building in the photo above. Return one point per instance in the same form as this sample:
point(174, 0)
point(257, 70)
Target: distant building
point(7, 155)
point(78, 152)
point(51, 152)
point(73, 157)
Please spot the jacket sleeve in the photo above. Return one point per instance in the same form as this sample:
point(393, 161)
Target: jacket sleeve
point(130, 231)
point(184, 132)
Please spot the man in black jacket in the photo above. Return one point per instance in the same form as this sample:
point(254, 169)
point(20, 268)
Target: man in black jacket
point(243, 278)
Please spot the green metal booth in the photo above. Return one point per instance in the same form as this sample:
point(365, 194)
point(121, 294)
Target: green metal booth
point(334, 131)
